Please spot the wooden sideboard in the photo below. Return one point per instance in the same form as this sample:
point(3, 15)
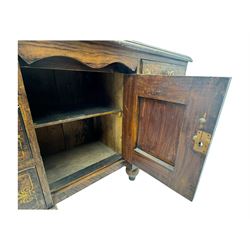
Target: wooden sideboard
point(88, 108)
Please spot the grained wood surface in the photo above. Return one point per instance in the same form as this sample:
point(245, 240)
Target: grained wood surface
point(111, 125)
point(96, 54)
point(162, 68)
point(70, 64)
point(198, 95)
point(69, 116)
point(30, 130)
point(56, 88)
point(30, 195)
point(67, 162)
point(56, 138)
point(24, 150)
point(159, 128)
point(50, 139)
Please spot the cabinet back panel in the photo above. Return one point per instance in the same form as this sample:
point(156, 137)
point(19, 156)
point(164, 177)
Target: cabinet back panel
point(56, 138)
point(51, 91)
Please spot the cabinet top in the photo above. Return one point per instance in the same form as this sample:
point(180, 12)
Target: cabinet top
point(152, 50)
point(98, 54)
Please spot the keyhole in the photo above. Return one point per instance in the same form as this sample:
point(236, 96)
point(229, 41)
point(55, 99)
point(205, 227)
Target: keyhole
point(200, 144)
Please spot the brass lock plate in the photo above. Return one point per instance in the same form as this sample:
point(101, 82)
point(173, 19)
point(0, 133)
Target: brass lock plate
point(202, 140)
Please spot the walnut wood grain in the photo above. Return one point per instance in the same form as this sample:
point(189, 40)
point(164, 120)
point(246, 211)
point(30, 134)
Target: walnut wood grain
point(167, 117)
point(149, 67)
point(54, 71)
point(97, 54)
point(198, 95)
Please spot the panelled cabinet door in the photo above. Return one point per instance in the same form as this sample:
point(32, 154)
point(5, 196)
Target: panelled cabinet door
point(168, 126)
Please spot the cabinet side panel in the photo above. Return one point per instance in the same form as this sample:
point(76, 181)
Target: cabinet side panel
point(32, 140)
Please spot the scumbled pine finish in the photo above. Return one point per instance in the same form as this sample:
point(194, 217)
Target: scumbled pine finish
point(87, 108)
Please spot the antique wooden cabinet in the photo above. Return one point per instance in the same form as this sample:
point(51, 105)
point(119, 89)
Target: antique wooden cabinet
point(87, 108)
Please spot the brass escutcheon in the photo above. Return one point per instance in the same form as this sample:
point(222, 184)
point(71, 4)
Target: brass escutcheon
point(201, 140)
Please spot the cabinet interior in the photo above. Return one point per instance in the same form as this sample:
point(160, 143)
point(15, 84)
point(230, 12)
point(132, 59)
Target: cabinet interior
point(78, 120)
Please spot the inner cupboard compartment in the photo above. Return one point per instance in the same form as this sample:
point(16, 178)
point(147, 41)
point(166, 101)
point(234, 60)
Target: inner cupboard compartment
point(78, 120)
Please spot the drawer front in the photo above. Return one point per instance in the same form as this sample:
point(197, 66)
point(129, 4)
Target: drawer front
point(30, 195)
point(24, 151)
point(162, 68)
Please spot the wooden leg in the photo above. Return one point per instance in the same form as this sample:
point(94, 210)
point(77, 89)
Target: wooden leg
point(132, 171)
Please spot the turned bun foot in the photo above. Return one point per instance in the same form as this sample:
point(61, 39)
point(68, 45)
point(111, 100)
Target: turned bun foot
point(132, 171)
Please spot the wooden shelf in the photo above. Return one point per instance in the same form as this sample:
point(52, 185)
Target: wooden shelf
point(67, 166)
point(69, 116)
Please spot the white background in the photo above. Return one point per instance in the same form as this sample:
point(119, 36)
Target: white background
point(115, 213)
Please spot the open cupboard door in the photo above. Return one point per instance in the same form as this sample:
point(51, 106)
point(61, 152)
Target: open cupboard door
point(168, 126)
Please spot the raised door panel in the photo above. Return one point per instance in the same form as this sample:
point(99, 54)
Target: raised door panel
point(168, 124)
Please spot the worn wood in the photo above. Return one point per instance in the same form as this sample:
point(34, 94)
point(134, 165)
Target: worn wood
point(129, 97)
point(26, 164)
point(67, 162)
point(111, 135)
point(50, 139)
point(30, 195)
point(69, 178)
point(149, 67)
point(28, 123)
point(61, 137)
point(167, 117)
point(69, 116)
point(96, 54)
point(24, 150)
point(63, 77)
point(112, 125)
point(154, 159)
point(69, 64)
point(199, 95)
point(76, 133)
point(85, 181)
point(63, 96)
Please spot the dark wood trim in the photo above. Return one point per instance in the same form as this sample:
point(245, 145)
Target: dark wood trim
point(97, 54)
point(152, 158)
